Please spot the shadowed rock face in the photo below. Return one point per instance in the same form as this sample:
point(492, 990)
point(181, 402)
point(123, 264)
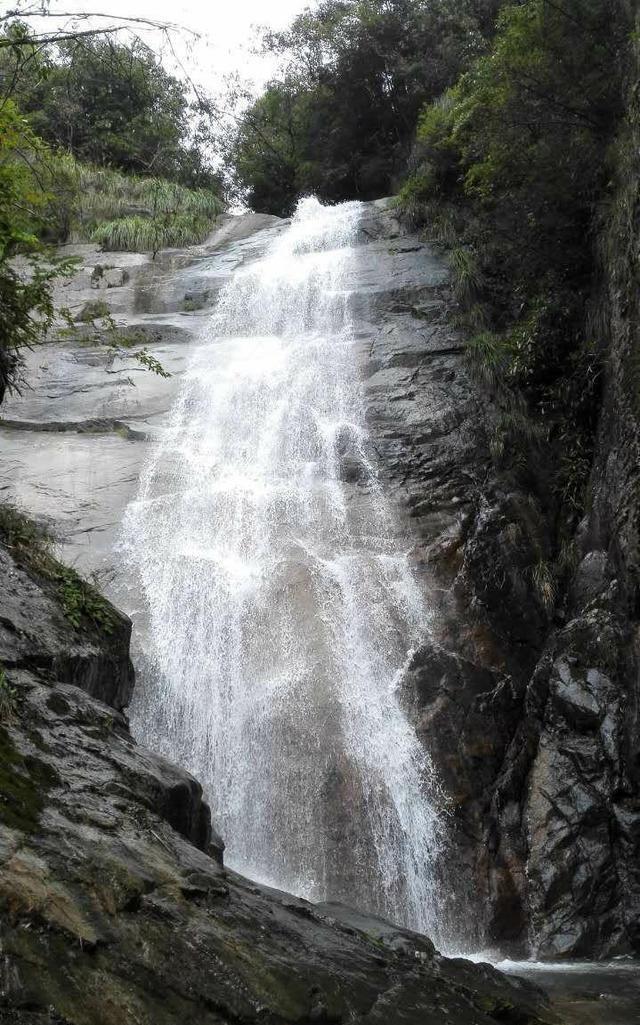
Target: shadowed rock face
point(530, 715)
point(114, 905)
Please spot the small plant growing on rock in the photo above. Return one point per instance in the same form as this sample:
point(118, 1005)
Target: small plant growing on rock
point(31, 545)
point(8, 699)
point(80, 600)
point(104, 332)
point(91, 311)
point(545, 584)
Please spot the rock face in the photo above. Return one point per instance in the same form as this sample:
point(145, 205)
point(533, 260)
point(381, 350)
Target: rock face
point(580, 777)
point(114, 904)
point(475, 543)
point(527, 701)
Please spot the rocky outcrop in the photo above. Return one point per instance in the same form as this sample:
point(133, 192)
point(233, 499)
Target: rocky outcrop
point(579, 780)
point(114, 903)
point(526, 698)
point(35, 636)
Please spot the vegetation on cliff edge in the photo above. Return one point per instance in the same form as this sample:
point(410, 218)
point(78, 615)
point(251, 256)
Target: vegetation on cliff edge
point(512, 168)
point(148, 184)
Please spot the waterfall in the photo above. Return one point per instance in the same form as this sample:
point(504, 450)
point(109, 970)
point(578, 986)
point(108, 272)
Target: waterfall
point(280, 603)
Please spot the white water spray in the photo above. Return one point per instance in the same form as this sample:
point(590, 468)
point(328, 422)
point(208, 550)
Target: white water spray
point(281, 606)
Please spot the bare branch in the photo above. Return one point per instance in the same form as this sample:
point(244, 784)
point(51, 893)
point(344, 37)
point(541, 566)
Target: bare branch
point(45, 40)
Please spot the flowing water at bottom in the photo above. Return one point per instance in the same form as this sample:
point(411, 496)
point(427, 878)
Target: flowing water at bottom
point(280, 603)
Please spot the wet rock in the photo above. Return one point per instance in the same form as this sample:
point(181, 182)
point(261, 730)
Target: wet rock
point(575, 699)
point(108, 277)
point(115, 905)
point(34, 634)
point(591, 578)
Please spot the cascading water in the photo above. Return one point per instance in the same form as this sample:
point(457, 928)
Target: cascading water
point(280, 602)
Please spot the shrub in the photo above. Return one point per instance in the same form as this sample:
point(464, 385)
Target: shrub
point(32, 546)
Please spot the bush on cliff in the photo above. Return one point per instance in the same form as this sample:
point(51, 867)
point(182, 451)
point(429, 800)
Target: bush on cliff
point(511, 166)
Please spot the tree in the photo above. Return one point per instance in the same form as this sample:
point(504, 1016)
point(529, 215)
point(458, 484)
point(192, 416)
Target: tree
point(341, 118)
point(107, 103)
point(26, 308)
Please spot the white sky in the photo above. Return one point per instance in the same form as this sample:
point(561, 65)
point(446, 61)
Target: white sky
point(226, 29)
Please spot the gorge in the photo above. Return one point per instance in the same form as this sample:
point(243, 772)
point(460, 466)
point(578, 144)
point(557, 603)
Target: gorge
point(313, 506)
point(319, 532)
point(111, 872)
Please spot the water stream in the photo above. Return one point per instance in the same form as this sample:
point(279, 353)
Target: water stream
point(280, 603)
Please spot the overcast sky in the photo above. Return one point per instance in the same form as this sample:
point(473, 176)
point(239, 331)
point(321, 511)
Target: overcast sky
point(225, 28)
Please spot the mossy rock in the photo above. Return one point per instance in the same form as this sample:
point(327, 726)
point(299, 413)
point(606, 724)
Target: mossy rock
point(96, 309)
point(24, 782)
point(31, 546)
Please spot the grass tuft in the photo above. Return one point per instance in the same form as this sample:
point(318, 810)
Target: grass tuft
point(32, 547)
point(125, 212)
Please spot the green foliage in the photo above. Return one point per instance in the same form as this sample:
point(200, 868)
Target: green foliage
point(120, 211)
point(51, 195)
point(520, 149)
point(8, 699)
point(105, 333)
point(490, 357)
point(26, 307)
point(340, 119)
point(268, 150)
point(141, 234)
point(466, 273)
point(31, 546)
point(81, 601)
point(124, 211)
point(521, 140)
point(115, 110)
point(26, 312)
point(108, 103)
point(21, 197)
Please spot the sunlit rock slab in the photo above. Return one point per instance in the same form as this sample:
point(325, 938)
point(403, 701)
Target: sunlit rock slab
point(74, 437)
point(76, 484)
point(72, 385)
point(144, 283)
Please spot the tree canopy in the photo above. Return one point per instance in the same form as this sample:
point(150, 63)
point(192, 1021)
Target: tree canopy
point(97, 141)
point(340, 119)
point(108, 103)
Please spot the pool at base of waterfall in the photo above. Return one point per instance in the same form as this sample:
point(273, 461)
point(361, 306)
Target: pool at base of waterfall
point(583, 992)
